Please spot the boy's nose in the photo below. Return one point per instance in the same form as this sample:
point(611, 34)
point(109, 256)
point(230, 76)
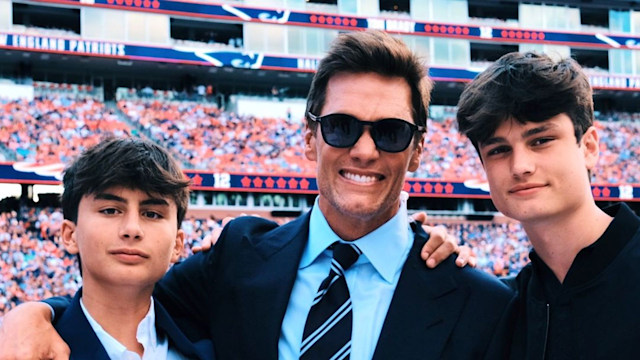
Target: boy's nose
point(522, 163)
point(130, 228)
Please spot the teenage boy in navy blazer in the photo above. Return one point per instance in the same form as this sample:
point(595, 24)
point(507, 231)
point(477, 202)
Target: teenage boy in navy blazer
point(123, 203)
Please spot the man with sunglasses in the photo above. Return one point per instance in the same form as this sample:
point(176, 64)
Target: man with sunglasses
point(366, 117)
point(346, 279)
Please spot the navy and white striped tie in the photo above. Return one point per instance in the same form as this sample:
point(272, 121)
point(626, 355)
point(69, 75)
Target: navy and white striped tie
point(327, 332)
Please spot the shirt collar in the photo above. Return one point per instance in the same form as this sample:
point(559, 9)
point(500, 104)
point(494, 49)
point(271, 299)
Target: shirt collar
point(593, 259)
point(385, 248)
point(146, 333)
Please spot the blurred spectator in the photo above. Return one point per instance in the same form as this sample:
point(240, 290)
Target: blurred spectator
point(33, 264)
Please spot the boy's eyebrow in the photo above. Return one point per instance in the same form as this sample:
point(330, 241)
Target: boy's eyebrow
point(155, 201)
point(112, 197)
point(525, 134)
point(108, 196)
point(491, 141)
point(537, 130)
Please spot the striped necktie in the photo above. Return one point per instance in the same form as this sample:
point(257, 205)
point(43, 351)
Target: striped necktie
point(327, 332)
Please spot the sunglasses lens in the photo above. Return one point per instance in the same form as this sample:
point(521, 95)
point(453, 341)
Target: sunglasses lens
point(392, 135)
point(340, 130)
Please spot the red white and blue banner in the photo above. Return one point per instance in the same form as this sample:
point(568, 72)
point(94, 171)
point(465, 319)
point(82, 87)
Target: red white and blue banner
point(25, 173)
point(242, 13)
point(236, 59)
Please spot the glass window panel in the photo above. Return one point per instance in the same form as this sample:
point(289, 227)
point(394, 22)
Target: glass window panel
point(636, 63)
point(460, 52)
point(620, 62)
point(328, 36)
point(275, 38)
point(114, 24)
point(420, 9)
point(368, 8)
point(158, 28)
point(348, 6)
point(91, 23)
point(531, 16)
point(538, 48)
point(620, 21)
point(313, 40)
point(295, 40)
point(6, 15)
point(136, 27)
point(254, 37)
point(459, 11)
point(573, 18)
point(440, 54)
point(635, 22)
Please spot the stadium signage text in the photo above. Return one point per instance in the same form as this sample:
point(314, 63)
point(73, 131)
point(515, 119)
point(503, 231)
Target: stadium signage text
point(308, 64)
point(392, 25)
point(239, 59)
point(614, 82)
point(30, 42)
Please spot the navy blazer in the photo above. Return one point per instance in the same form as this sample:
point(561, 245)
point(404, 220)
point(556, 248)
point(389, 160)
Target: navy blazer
point(76, 331)
point(240, 290)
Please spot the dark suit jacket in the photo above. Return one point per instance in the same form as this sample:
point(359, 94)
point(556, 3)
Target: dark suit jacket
point(240, 291)
point(76, 331)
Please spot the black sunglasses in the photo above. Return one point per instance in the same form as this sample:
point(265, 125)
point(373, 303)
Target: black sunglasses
point(343, 131)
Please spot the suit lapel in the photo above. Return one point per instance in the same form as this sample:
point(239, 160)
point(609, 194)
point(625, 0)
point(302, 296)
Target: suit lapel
point(423, 312)
point(270, 271)
point(202, 349)
point(76, 331)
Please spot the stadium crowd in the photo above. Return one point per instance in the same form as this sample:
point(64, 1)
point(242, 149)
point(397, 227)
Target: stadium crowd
point(52, 128)
point(34, 264)
point(207, 138)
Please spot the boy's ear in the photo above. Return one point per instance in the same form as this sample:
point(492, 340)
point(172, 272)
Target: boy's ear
point(178, 246)
point(68, 235)
point(591, 147)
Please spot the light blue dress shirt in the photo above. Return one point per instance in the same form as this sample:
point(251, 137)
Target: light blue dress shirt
point(371, 281)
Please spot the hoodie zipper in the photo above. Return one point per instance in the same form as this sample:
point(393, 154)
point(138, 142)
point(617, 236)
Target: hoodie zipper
point(546, 335)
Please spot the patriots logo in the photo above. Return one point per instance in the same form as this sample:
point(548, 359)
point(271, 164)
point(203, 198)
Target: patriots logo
point(237, 59)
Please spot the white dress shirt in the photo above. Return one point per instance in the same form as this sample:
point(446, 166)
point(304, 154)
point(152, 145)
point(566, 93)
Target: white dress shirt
point(155, 347)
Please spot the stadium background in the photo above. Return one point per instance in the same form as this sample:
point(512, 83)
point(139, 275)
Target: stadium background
point(222, 86)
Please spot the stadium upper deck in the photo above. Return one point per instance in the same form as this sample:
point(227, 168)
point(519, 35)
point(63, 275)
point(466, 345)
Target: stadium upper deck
point(455, 36)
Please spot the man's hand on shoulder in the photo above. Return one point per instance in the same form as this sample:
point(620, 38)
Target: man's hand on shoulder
point(211, 239)
point(27, 333)
point(441, 244)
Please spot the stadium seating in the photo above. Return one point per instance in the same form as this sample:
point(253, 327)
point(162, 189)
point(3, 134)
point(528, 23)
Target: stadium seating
point(54, 127)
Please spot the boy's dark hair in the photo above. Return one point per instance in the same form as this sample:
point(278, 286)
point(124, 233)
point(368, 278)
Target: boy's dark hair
point(377, 52)
point(132, 163)
point(526, 87)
